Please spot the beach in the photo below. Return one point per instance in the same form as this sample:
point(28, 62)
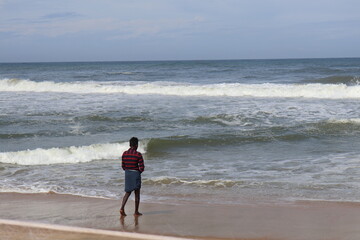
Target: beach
point(224, 120)
point(233, 149)
point(295, 221)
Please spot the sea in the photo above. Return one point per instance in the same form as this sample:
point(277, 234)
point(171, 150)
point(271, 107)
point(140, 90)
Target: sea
point(211, 132)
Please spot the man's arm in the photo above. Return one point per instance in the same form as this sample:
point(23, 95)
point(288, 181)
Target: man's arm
point(141, 163)
point(122, 162)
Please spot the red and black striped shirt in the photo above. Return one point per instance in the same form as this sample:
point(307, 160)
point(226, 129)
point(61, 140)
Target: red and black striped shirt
point(132, 160)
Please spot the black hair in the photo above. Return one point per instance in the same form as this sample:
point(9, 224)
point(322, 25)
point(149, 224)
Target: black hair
point(134, 142)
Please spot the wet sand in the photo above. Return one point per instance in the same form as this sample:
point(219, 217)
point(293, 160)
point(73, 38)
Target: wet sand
point(296, 221)
point(18, 230)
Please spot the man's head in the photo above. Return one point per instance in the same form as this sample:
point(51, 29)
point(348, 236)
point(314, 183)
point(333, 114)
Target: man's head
point(134, 142)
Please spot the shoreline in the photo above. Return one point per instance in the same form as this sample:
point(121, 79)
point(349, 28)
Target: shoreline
point(50, 231)
point(296, 221)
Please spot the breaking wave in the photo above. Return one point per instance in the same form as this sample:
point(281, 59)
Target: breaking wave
point(347, 80)
point(69, 155)
point(310, 90)
point(109, 151)
point(339, 127)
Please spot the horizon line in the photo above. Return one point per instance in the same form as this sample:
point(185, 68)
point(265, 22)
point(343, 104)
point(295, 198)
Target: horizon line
point(179, 60)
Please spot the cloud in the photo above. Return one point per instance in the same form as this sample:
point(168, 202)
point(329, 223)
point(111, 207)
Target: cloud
point(57, 28)
point(57, 24)
point(2, 3)
point(161, 27)
point(61, 15)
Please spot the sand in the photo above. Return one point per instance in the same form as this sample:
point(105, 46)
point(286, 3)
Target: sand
point(10, 229)
point(299, 220)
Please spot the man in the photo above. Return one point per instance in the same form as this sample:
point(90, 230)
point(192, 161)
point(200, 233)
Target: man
point(133, 165)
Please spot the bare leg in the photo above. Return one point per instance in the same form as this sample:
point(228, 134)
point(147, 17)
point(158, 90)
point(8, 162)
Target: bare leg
point(137, 203)
point(122, 209)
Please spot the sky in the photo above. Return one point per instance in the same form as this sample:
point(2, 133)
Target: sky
point(136, 30)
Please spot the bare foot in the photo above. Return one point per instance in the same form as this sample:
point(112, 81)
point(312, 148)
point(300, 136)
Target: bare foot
point(122, 213)
point(137, 214)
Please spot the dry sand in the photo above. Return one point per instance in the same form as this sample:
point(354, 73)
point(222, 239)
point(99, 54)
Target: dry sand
point(297, 221)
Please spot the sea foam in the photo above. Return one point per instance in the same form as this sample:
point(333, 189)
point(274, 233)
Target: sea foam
point(311, 90)
point(219, 183)
point(70, 155)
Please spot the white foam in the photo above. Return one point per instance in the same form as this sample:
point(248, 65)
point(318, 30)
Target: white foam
point(317, 90)
point(351, 121)
point(66, 155)
point(173, 180)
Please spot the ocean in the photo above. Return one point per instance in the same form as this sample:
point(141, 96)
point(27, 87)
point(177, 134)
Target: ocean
point(220, 132)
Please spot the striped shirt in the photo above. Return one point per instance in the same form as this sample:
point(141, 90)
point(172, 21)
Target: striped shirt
point(132, 160)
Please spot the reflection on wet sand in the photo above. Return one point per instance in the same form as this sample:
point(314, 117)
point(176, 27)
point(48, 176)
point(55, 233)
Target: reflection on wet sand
point(129, 224)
